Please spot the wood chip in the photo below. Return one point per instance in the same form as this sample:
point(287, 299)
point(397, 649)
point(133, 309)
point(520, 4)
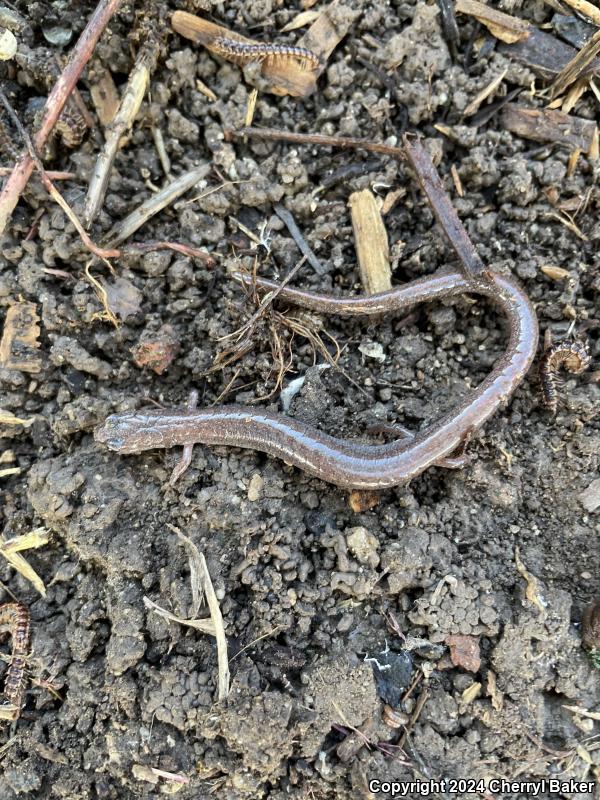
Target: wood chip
point(8, 418)
point(590, 497)
point(502, 26)
point(544, 53)
point(157, 350)
point(19, 344)
point(371, 242)
point(543, 125)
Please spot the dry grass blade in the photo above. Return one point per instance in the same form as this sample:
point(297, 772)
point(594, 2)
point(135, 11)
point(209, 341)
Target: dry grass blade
point(217, 619)
point(573, 70)
point(127, 227)
point(583, 712)
point(52, 190)
point(10, 549)
point(8, 418)
point(203, 625)
point(486, 92)
point(195, 569)
point(201, 585)
point(4, 473)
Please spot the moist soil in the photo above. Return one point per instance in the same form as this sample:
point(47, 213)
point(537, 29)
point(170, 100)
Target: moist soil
point(328, 612)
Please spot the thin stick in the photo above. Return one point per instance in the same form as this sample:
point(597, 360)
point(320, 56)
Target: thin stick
point(134, 93)
point(178, 247)
point(290, 223)
point(52, 174)
point(345, 142)
point(80, 55)
point(445, 213)
point(128, 226)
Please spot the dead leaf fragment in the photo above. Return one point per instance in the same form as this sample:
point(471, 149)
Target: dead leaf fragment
point(471, 693)
point(464, 652)
point(300, 20)
point(8, 418)
point(532, 591)
point(9, 548)
point(19, 344)
point(123, 298)
point(494, 692)
point(361, 500)
point(555, 273)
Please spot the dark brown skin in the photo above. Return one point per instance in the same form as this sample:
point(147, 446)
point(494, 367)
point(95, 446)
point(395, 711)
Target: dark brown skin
point(350, 464)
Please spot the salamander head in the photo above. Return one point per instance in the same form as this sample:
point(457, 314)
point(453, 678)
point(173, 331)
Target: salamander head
point(115, 433)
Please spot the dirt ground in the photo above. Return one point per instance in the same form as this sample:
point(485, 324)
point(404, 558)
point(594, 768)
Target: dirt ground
point(328, 612)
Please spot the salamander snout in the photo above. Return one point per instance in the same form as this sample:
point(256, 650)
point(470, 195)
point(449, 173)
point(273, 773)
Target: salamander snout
point(114, 433)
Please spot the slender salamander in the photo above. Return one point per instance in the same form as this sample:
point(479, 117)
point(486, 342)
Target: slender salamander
point(350, 464)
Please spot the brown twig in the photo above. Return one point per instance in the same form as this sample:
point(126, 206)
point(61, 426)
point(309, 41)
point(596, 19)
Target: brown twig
point(345, 142)
point(82, 52)
point(52, 174)
point(178, 247)
point(444, 211)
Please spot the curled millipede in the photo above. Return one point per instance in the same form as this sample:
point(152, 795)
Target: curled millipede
point(246, 52)
point(15, 618)
point(572, 356)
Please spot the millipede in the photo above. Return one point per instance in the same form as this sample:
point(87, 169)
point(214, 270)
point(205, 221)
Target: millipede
point(14, 618)
point(572, 356)
point(246, 52)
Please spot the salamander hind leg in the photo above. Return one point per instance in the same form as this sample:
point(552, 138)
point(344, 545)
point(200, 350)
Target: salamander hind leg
point(459, 459)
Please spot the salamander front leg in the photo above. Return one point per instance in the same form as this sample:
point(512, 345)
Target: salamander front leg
point(188, 449)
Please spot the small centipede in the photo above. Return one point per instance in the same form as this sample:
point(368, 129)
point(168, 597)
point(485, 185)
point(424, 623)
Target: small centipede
point(572, 356)
point(14, 617)
point(246, 52)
